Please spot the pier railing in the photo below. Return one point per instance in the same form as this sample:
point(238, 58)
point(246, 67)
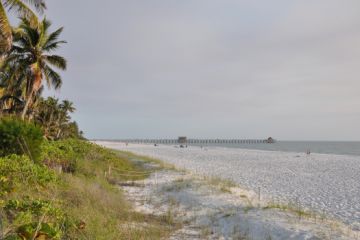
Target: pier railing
point(199, 141)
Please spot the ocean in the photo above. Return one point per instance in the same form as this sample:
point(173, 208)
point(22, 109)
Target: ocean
point(327, 147)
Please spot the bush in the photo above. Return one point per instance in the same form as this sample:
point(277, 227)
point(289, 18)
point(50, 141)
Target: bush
point(81, 204)
point(83, 158)
point(60, 154)
point(28, 222)
point(21, 213)
point(18, 171)
point(20, 137)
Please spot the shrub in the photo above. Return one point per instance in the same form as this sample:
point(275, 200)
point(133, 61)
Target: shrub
point(20, 213)
point(37, 202)
point(84, 158)
point(34, 219)
point(18, 171)
point(66, 154)
point(20, 137)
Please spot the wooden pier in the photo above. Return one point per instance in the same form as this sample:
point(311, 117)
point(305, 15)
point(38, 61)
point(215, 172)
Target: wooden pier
point(184, 141)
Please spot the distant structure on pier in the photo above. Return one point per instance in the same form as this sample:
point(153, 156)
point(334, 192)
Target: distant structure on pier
point(182, 140)
point(270, 140)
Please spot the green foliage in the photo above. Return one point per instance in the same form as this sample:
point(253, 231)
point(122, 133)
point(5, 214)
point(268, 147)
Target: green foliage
point(27, 216)
point(17, 171)
point(60, 154)
point(19, 137)
point(81, 203)
point(55, 120)
point(83, 158)
point(34, 218)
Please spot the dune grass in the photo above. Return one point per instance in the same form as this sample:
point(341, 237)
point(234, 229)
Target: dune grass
point(224, 185)
point(291, 207)
point(158, 164)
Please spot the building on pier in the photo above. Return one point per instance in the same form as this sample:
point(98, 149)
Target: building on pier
point(182, 140)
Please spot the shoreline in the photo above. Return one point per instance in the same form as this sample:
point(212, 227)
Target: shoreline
point(301, 153)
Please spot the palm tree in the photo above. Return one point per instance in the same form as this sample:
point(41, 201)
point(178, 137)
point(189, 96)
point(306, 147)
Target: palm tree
point(22, 10)
point(55, 119)
point(65, 108)
point(30, 58)
point(46, 114)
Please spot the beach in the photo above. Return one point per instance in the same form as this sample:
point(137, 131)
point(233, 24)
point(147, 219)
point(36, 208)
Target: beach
point(323, 183)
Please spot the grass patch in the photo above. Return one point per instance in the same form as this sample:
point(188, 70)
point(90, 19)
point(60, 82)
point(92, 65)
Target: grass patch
point(178, 185)
point(158, 164)
point(224, 185)
point(291, 207)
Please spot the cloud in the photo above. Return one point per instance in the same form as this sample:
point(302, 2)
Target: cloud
point(213, 68)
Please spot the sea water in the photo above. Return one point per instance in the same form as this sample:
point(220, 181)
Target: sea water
point(327, 147)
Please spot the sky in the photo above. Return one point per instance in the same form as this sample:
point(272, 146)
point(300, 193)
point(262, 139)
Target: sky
point(212, 68)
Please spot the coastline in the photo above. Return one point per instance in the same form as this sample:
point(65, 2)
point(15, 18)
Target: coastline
point(185, 162)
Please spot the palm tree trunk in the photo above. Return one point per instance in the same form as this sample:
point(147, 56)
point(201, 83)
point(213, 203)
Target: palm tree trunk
point(58, 134)
point(35, 86)
point(27, 104)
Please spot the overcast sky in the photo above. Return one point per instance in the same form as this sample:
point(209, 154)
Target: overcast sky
point(212, 68)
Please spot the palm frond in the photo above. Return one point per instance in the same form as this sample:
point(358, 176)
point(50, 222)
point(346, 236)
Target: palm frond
point(43, 30)
point(53, 37)
point(7, 97)
point(5, 31)
point(56, 61)
point(52, 77)
point(23, 10)
point(30, 36)
point(53, 46)
point(39, 5)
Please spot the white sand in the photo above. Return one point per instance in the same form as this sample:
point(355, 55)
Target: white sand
point(326, 183)
point(205, 211)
